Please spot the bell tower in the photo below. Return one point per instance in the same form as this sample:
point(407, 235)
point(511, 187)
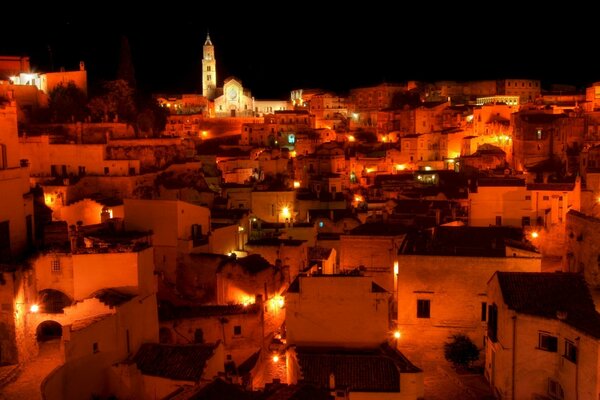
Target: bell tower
point(209, 70)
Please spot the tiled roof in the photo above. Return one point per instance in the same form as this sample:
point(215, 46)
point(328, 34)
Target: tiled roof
point(167, 313)
point(177, 362)
point(319, 253)
point(379, 229)
point(561, 187)
point(466, 241)
point(294, 392)
point(540, 118)
point(275, 242)
point(544, 294)
point(370, 370)
point(113, 297)
point(85, 322)
point(375, 288)
point(496, 182)
point(221, 390)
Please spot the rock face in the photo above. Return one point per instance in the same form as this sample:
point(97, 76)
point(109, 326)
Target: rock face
point(152, 157)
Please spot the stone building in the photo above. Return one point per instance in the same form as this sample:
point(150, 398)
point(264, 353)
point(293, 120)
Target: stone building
point(543, 337)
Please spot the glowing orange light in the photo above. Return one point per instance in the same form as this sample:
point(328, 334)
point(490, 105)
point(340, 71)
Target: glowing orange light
point(397, 335)
point(351, 138)
point(400, 167)
point(296, 184)
point(535, 235)
point(358, 198)
point(395, 267)
point(275, 358)
point(384, 139)
point(280, 302)
point(34, 308)
point(48, 199)
point(285, 212)
point(204, 133)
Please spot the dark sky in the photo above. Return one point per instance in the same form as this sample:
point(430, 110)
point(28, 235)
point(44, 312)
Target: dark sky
point(279, 49)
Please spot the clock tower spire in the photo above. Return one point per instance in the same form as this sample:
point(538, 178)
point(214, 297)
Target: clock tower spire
point(209, 69)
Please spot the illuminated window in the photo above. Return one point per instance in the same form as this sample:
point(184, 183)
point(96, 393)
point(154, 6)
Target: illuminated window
point(291, 139)
point(321, 224)
point(570, 351)
point(547, 342)
point(539, 134)
point(423, 308)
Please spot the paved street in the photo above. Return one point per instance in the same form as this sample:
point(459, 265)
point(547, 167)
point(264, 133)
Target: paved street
point(27, 385)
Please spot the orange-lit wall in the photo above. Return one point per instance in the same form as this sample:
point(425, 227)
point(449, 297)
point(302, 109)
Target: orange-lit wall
point(337, 311)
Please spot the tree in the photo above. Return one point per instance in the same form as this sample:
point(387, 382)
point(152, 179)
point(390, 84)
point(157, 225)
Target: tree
point(117, 102)
point(461, 352)
point(126, 72)
point(401, 99)
point(67, 103)
point(152, 118)
point(365, 136)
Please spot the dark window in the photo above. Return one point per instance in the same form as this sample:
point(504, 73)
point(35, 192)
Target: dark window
point(106, 170)
point(127, 341)
point(483, 310)
point(570, 351)
point(237, 330)
point(546, 198)
point(423, 308)
point(547, 342)
point(55, 265)
point(3, 157)
point(498, 220)
point(81, 170)
point(95, 347)
point(527, 197)
point(525, 221)
point(199, 336)
point(4, 241)
point(492, 330)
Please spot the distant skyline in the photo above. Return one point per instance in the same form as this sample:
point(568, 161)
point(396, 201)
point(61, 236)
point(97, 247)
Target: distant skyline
point(302, 48)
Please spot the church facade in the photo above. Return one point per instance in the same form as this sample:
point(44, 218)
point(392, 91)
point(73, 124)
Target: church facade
point(232, 100)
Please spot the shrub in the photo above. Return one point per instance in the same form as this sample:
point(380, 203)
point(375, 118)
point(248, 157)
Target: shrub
point(461, 351)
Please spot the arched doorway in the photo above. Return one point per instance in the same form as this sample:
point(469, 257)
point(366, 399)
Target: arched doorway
point(48, 330)
point(53, 301)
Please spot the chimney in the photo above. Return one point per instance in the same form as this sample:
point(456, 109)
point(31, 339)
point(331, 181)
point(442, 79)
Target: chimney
point(81, 66)
point(331, 381)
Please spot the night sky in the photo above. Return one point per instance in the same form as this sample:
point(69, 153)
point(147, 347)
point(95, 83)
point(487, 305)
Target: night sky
point(300, 46)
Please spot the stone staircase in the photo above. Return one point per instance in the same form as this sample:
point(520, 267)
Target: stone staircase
point(8, 374)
